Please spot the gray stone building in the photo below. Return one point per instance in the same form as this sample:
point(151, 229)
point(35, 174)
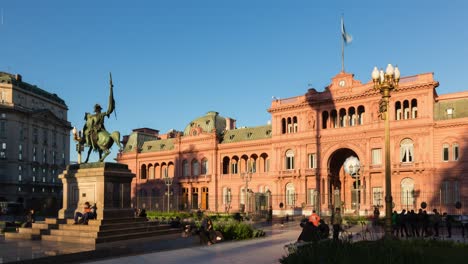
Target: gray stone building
point(34, 144)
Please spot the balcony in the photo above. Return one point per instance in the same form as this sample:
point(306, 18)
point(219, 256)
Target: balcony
point(206, 178)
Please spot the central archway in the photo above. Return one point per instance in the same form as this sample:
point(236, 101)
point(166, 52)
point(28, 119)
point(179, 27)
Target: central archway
point(343, 189)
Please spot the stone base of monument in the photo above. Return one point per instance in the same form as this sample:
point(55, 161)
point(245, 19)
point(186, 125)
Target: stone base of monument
point(107, 185)
point(100, 231)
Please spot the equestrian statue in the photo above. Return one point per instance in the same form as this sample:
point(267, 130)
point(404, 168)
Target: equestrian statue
point(95, 136)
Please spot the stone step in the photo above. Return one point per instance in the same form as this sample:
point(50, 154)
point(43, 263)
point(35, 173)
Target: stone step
point(69, 239)
point(108, 226)
point(121, 236)
point(44, 225)
point(83, 232)
point(33, 231)
point(55, 221)
point(111, 221)
point(28, 236)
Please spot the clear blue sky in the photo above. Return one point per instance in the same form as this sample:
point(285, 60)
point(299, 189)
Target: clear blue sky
point(173, 61)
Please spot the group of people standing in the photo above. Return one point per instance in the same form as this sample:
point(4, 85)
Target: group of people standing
point(421, 224)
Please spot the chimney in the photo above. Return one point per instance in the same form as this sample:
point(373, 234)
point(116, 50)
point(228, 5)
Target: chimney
point(230, 123)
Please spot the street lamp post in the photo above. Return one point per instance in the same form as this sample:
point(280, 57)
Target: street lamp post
point(385, 83)
point(168, 182)
point(246, 177)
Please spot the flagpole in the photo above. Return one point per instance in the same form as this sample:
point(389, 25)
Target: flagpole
point(342, 55)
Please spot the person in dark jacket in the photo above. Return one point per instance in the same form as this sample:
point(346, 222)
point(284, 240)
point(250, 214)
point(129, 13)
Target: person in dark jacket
point(309, 233)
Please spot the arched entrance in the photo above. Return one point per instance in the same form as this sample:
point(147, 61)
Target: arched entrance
point(345, 190)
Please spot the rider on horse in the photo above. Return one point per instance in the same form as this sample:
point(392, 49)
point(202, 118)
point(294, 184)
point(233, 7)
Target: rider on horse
point(95, 124)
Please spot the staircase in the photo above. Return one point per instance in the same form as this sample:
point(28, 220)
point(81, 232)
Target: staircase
point(97, 231)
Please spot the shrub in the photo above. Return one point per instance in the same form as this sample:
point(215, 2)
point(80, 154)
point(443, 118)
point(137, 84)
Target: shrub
point(382, 251)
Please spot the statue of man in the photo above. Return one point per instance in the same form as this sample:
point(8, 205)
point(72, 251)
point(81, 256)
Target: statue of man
point(95, 122)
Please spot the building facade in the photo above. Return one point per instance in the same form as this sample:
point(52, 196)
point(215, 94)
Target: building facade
point(298, 162)
point(34, 144)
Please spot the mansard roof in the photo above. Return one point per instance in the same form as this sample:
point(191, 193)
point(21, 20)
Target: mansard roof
point(211, 121)
point(245, 134)
point(158, 145)
point(16, 80)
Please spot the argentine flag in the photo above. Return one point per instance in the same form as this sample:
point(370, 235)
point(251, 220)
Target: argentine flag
point(347, 38)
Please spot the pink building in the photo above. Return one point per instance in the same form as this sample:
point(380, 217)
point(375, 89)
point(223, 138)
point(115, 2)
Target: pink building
point(296, 163)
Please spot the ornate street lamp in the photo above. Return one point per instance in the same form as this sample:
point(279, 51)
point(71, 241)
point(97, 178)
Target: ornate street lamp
point(168, 182)
point(246, 177)
point(354, 168)
point(385, 83)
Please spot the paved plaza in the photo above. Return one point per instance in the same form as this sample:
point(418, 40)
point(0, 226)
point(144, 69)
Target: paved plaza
point(165, 249)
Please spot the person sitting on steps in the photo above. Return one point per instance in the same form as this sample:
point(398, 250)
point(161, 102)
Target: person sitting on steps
point(82, 218)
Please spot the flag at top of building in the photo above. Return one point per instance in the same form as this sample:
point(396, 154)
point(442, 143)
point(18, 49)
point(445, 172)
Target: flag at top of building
point(347, 38)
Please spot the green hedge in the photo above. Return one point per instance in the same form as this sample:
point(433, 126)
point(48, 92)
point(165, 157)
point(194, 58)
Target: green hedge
point(382, 251)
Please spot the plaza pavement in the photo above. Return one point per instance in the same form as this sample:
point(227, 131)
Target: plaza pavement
point(163, 249)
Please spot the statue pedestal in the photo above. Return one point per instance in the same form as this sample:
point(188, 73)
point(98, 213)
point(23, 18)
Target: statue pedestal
point(106, 184)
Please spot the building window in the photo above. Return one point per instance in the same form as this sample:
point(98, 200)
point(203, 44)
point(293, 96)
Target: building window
point(3, 151)
point(455, 151)
point(252, 165)
point(227, 195)
point(185, 168)
point(204, 167)
point(289, 160)
point(406, 150)
point(376, 156)
point(267, 165)
point(234, 167)
point(445, 192)
point(290, 195)
point(34, 154)
point(377, 196)
point(450, 112)
point(312, 197)
point(445, 152)
point(20, 152)
point(143, 172)
point(407, 193)
point(312, 161)
point(456, 191)
point(195, 168)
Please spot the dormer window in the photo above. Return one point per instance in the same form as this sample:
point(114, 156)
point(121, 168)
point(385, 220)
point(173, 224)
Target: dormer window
point(450, 112)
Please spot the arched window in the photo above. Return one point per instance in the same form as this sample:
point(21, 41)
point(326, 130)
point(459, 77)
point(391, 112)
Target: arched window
point(407, 193)
point(352, 116)
point(151, 171)
point(290, 128)
point(324, 119)
point(398, 111)
point(406, 150)
point(455, 152)
point(334, 118)
point(143, 172)
point(283, 126)
point(290, 159)
point(343, 117)
point(204, 166)
point(414, 108)
point(195, 168)
point(290, 195)
point(406, 109)
point(445, 152)
point(235, 165)
point(361, 112)
point(295, 127)
point(226, 162)
point(185, 168)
